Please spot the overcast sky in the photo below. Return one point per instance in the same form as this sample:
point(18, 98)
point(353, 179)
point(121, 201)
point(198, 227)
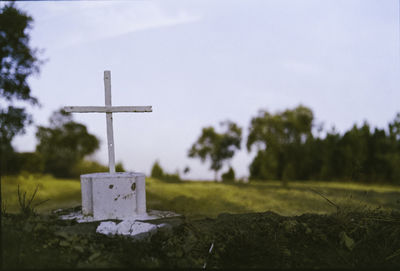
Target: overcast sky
point(201, 62)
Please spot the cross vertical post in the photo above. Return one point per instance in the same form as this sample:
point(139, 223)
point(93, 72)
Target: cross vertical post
point(109, 120)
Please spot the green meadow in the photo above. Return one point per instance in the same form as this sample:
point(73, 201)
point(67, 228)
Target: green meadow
point(208, 199)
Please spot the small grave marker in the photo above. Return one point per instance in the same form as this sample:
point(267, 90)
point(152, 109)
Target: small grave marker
point(113, 195)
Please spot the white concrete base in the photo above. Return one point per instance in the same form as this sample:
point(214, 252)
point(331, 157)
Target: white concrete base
point(120, 195)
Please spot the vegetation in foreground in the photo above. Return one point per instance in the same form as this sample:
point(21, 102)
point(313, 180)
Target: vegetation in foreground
point(344, 239)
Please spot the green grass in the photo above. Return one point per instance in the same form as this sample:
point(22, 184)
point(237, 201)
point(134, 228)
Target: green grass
point(199, 199)
point(61, 193)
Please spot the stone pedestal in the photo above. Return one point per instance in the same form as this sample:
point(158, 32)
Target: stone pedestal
point(120, 195)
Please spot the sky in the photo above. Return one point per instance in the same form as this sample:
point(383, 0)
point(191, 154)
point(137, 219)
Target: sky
point(198, 63)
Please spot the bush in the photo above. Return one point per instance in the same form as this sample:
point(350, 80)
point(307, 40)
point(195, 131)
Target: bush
point(86, 166)
point(171, 177)
point(31, 162)
point(119, 167)
point(17, 162)
point(156, 171)
point(229, 176)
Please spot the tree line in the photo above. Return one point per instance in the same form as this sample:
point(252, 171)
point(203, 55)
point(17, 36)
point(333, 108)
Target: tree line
point(288, 147)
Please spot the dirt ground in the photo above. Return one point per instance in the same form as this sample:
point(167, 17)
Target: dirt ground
point(368, 239)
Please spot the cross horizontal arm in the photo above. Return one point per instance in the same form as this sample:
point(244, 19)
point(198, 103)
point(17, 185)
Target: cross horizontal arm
point(107, 109)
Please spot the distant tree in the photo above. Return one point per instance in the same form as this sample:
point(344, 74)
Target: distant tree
point(85, 166)
point(186, 170)
point(174, 177)
point(393, 157)
point(30, 162)
point(228, 176)
point(156, 171)
point(287, 149)
point(119, 167)
point(18, 61)
point(280, 139)
point(217, 147)
point(64, 144)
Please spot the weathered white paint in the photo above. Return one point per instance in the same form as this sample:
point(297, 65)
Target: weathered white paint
point(108, 109)
point(120, 195)
point(110, 133)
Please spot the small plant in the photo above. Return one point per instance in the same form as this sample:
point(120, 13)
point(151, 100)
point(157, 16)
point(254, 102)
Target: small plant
point(157, 171)
point(229, 176)
point(25, 205)
point(328, 200)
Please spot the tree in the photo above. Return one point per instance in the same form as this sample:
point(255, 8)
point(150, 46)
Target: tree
point(217, 147)
point(18, 61)
point(64, 144)
point(228, 176)
point(280, 139)
point(156, 171)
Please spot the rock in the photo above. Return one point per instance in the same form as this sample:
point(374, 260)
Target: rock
point(107, 227)
point(135, 229)
point(141, 231)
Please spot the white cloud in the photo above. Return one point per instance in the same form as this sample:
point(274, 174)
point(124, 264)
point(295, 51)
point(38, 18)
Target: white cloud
point(82, 22)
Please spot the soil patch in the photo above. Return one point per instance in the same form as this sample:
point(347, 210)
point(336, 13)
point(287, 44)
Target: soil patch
point(369, 239)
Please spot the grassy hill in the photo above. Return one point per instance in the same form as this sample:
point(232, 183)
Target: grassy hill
point(200, 199)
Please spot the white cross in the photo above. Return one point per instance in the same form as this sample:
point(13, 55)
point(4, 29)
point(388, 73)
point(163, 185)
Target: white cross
point(108, 109)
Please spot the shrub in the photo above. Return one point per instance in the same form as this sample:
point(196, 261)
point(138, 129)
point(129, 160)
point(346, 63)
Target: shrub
point(229, 176)
point(119, 167)
point(31, 162)
point(171, 177)
point(156, 171)
point(86, 166)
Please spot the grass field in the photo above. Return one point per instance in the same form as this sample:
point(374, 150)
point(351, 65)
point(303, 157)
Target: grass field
point(199, 199)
